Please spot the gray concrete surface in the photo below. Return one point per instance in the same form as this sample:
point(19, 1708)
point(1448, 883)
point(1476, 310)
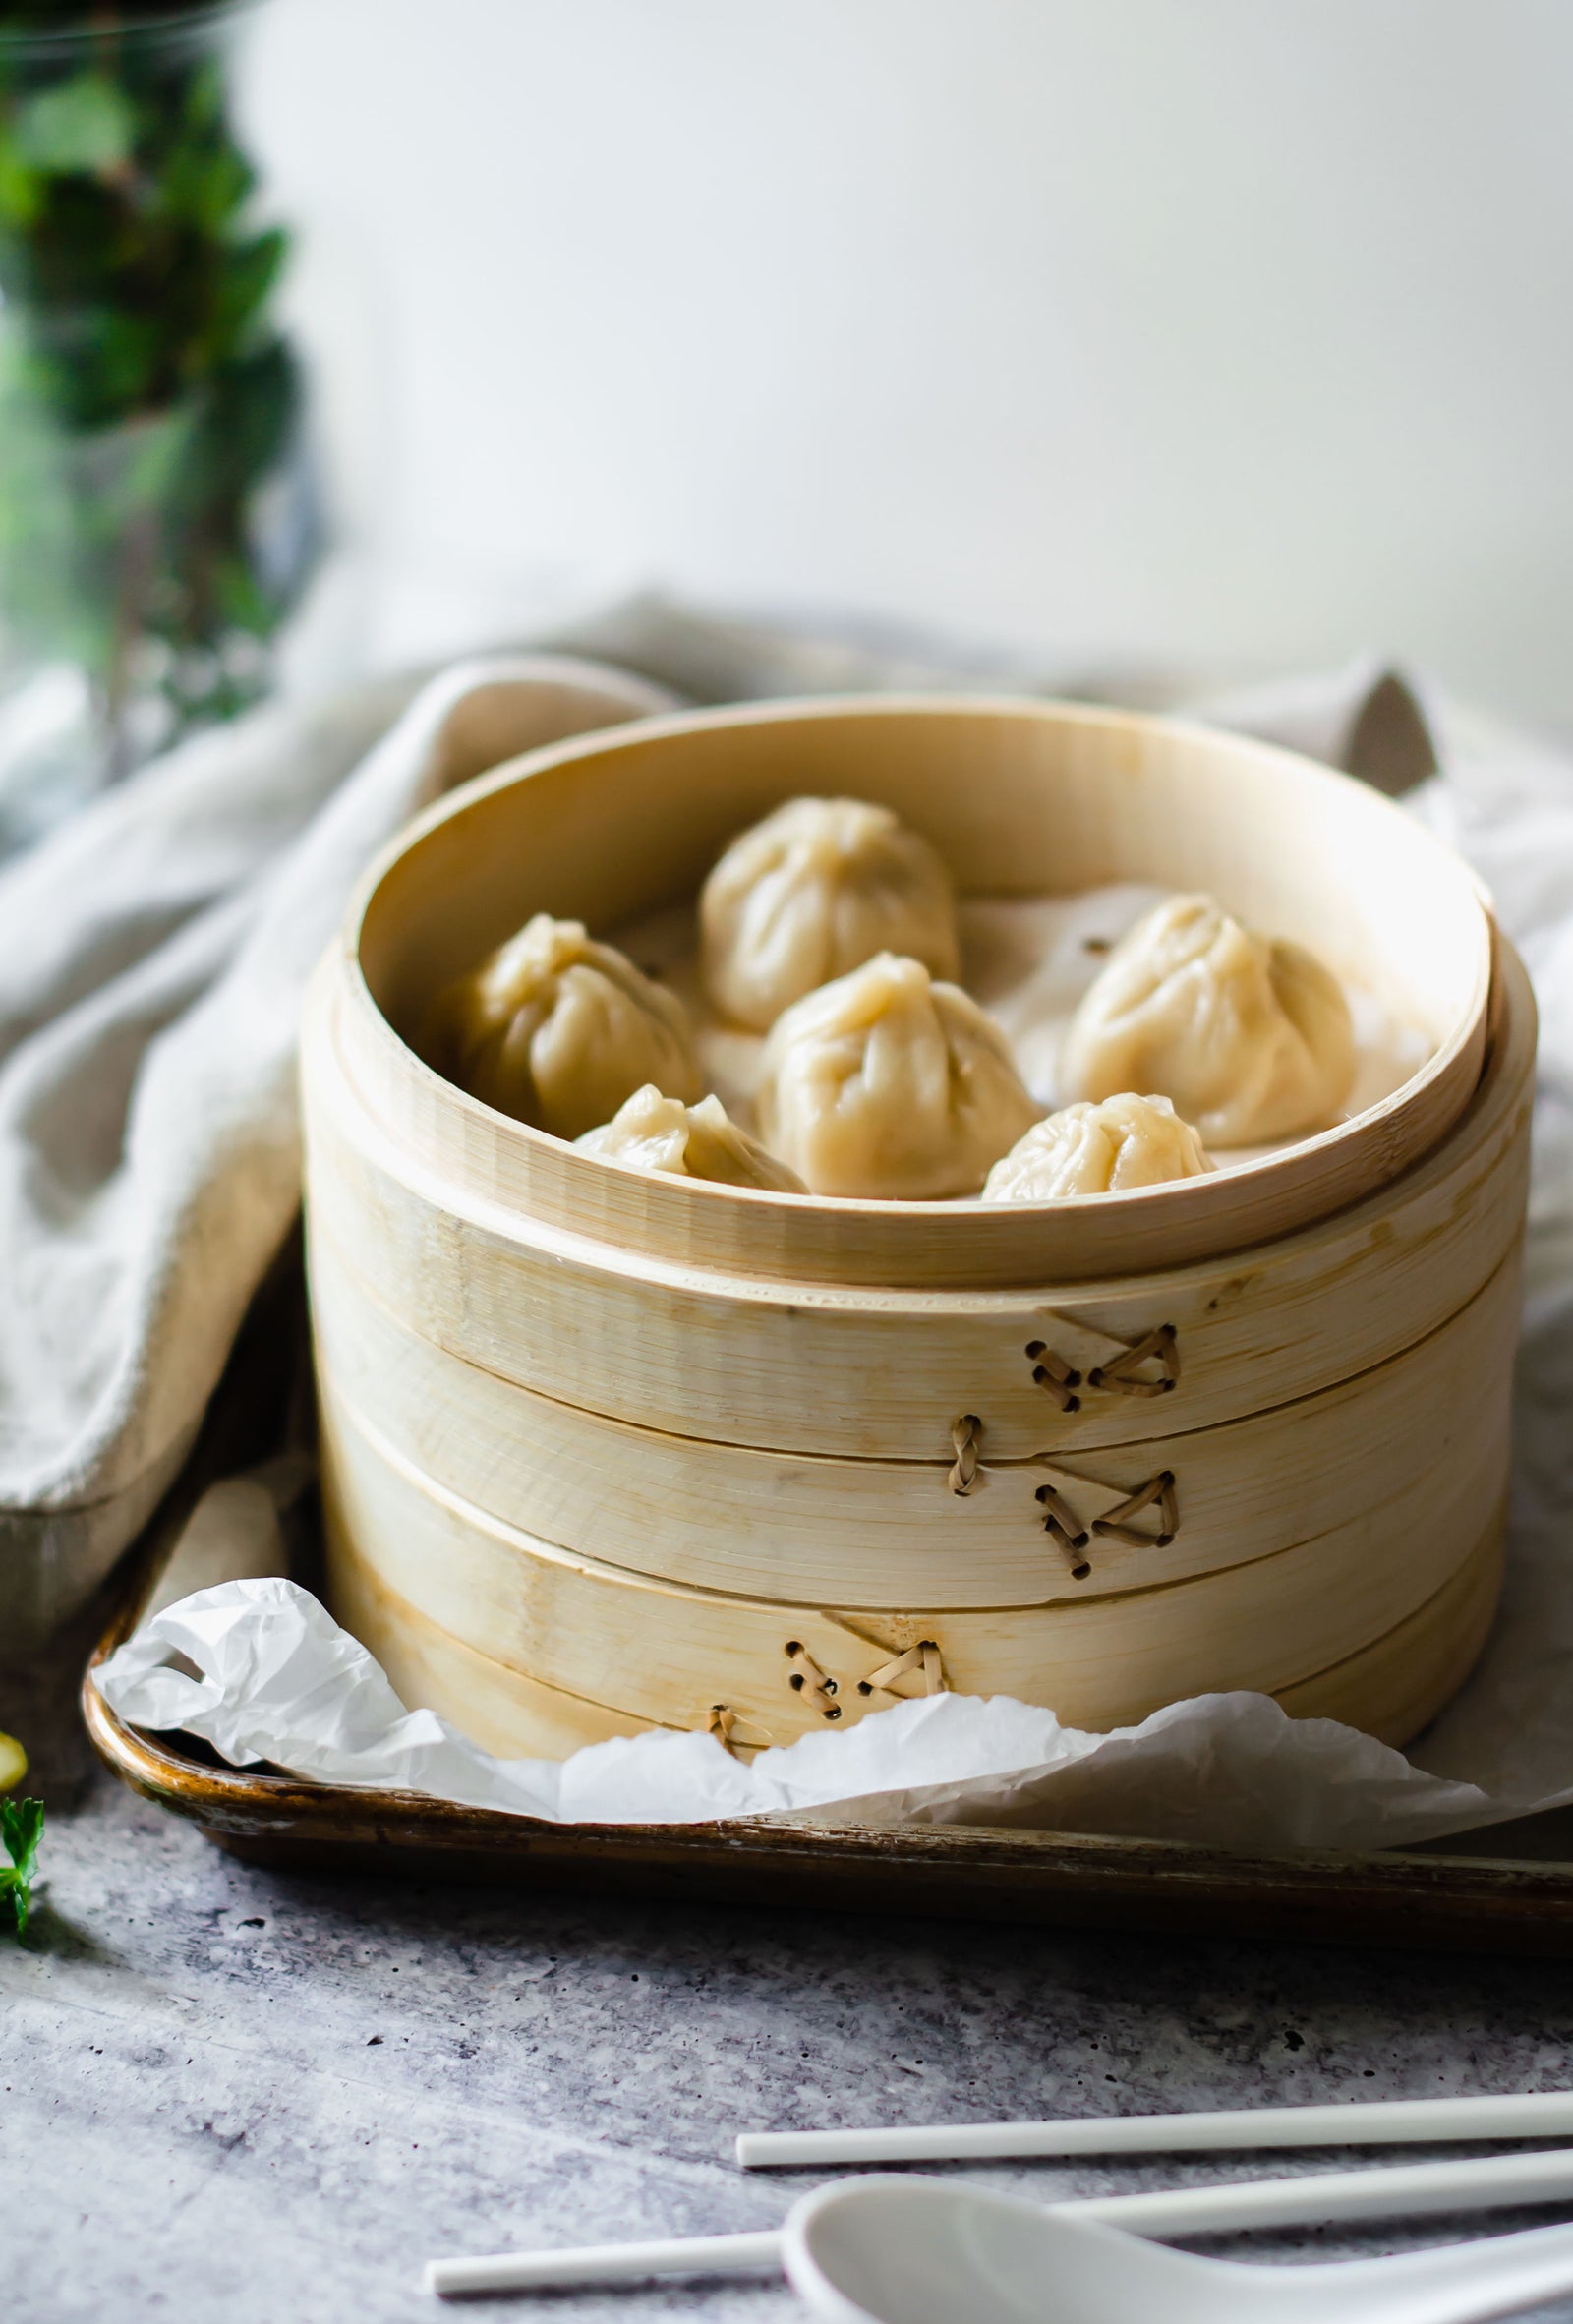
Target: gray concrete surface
point(231, 2094)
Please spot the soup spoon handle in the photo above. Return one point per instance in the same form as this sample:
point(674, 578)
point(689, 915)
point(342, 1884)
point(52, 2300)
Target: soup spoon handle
point(1409, 2191)
point(1460, 2283)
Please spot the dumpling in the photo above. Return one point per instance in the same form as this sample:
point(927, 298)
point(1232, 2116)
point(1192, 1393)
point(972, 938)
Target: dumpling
point(1248, 1035)
point(815, 890)
point(655, 1133)
point(557, 1030)
point(888, 1087)
point(1098, 1149)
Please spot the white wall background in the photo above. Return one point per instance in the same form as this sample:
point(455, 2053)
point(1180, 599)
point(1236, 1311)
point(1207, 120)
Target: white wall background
point(1234, 332)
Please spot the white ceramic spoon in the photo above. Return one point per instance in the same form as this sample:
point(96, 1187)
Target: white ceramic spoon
point(923, 2251)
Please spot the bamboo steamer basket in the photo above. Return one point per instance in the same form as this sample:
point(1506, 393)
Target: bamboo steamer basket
point(605, 1451)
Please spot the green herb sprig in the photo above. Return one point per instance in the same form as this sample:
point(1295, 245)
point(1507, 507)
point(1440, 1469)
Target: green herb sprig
point(21, 1830)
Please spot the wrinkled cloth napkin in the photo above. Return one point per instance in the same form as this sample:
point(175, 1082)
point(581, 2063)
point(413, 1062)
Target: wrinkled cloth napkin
point(257, 1666)
point(153, 956)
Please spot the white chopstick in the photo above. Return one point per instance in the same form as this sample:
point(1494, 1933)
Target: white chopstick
point(1400, 2121)
point(602, 2263)
point(1408, 2190)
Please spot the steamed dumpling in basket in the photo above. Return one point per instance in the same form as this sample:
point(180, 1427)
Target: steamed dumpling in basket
point(1249, 1036)
point(886, 1085)
point(557, 1030)
point(1125, 1141)
point(656, 1133)
point(814, 891)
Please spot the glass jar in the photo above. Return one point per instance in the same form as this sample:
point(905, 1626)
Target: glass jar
point(156, 515)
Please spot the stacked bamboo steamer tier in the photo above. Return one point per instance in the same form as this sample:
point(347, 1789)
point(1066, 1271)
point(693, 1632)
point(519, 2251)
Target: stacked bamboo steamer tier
point(607, 1450)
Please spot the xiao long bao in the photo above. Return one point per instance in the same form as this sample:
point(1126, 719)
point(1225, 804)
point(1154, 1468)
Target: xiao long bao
point(1248, 1035)
point(814, 891)
point(1098, 1149)
point(656, 1133)
point(557, 1030)
point(888, 1087)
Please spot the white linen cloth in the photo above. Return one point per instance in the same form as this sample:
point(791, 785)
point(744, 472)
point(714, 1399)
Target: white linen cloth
point(276, 1679)
point(153, 955)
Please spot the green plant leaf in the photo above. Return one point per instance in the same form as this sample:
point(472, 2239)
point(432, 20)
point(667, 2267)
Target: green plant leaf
point(20, 192)
point(86, 124)
point(250, 270)
point(20, 1830)
point(203, 184)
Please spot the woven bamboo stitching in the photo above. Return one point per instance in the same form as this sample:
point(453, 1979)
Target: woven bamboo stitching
point(1122, 1373)
point(1065, 1529)
point(1162, 1345)
point(1052, 1372)
point(964, 1476)
point(921, 1661)
point(1116, 1522)
point(808, 1679)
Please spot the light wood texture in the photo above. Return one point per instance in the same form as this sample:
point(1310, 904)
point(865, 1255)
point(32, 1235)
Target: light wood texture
point(508, 1715)
point(667, 1653)
point(1395, 1687)
point(1392, 1688)
point(887, 1533)
point(881, 1375)
point(1022, 797)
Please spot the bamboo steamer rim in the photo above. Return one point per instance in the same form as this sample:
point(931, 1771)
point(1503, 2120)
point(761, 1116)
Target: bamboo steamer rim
point(818, 1237)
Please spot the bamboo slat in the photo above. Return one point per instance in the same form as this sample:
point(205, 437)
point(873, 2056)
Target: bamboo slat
point(1496, 1892)
point(891, 1532)
point(667, 1653)
point(1393, 1687)
point(507, 1713)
